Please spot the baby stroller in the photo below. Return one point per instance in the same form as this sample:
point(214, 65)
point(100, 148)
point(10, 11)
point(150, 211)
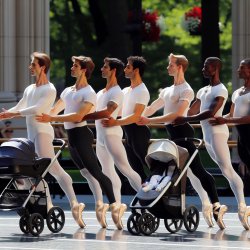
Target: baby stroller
point(20, 164)
point(169, 204)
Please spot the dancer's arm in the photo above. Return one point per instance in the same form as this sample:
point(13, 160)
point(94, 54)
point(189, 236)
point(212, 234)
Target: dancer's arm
point(133, 118)
point(182, 106)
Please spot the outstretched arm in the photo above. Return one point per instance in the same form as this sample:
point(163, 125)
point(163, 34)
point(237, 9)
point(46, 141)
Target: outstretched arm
point(72, 117)
point(105, 113)
point(154, 106)
point(210, 112)
point(134, 118)
point(170, 117)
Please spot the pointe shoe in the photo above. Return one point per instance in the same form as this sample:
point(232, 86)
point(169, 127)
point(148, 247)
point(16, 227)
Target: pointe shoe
point(117, 212)
point(218, 213)
point(77, 214)
point(207, 211)
point(243, 213)
point(101, 209)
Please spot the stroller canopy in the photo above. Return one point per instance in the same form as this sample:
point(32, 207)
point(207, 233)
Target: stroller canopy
point(162, 150)
point(20, 149)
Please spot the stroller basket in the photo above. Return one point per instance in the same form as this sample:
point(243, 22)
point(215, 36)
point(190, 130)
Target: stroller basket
point(13, 199)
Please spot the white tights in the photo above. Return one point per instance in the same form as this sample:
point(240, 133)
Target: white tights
point(113, 153)
point(217, 147)
point(44, 148)
point(195, 182)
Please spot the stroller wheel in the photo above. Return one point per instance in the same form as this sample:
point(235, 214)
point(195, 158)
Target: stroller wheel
point(157, 223)
point(191, 218)
point(132, 223)
point(35, 224)
point(55, 219)
point(173, 225)
point(23, 224)
point(147, 224)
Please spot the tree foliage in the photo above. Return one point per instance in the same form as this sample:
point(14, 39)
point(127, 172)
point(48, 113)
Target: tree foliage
point(98, 28)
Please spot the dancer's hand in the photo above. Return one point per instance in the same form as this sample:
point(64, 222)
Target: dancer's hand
point(109, 122)
point(43, 118)
point(143, 121)
point(5, 114)
point(179, 120)
point(217, 121)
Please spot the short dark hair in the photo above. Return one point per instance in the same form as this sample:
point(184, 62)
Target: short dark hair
point(138, 62)
point(215, 61)
point(43, 60)
point(85, 63)
point(115, 63)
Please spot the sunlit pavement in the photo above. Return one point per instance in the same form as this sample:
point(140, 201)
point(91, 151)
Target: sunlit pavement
point(93, 237)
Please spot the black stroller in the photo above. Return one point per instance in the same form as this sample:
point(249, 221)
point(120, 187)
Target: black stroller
point(168, 204)
point(20, 164)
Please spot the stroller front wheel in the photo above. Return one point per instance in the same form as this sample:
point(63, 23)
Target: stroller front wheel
point(23, 224)
point(132, 223)
point(55, 219)
point(147, 224)
point(191, 218)
point(35, 224)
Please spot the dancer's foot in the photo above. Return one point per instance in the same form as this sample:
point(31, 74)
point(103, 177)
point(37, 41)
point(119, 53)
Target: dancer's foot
point(218, 213)
point(117, 212)
point(243, 213)
point(77, 214)
point(101, 209)
point(207, 211)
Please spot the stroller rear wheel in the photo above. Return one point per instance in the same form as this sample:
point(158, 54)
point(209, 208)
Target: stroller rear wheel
point(55, 219)
point(173, 225)
point(147, 224)
point(132, 223)
point(35, 224)
point(23, 224)
point(191, 218)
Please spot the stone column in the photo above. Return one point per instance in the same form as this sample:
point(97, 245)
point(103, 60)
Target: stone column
point(7, 50)
point(24, 28)
point(240, 36)
point(241, 46)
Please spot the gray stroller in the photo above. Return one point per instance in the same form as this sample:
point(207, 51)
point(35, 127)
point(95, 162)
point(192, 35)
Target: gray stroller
point(20, 164)
point(169, 204)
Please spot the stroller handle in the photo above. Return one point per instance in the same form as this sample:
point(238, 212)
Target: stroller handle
point(60, 142)
point(198, 142)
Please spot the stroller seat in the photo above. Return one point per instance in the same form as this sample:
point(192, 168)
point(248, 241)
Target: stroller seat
point(160, 153)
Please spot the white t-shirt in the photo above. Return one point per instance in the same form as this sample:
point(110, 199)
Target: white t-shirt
point(207, 95)
point(73, 100)
point(115, 95)
point(35, 101)
point(133, 96)
point(173, 95)
point(241, 103)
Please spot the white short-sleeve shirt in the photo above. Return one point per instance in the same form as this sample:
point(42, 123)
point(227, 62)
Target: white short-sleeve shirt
point(173, 95)
point(133, 96)
point(73, 100)
point(207, 95)
point(115, 95)
point(241, 103)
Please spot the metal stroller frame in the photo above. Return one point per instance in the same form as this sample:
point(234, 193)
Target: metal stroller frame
point(169, 204)
point(30, 204)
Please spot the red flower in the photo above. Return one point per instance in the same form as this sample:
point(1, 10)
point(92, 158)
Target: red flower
point(195, 12)
point(150, 27)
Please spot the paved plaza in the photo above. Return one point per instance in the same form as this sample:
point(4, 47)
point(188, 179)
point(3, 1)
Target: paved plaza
point(93, 237)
